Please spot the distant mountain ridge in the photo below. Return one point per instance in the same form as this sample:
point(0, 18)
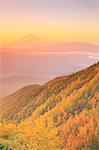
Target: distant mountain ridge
point(31, 43)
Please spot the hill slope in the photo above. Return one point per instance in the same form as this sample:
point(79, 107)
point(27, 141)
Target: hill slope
point(14, 103)
point(60, 115)
point(22, 103)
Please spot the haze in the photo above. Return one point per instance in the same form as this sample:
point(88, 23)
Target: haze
point(43, 39)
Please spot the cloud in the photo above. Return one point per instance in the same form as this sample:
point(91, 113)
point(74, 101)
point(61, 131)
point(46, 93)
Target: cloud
point(94, 57)
point(68, 53)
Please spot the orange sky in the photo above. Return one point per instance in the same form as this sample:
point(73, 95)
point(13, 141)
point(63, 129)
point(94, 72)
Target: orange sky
point(56, 21)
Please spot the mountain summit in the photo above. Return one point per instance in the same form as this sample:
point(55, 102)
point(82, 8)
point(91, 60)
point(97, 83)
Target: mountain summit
point(29, 40)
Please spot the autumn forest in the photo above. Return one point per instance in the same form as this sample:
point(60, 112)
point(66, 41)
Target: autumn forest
point(62, 114)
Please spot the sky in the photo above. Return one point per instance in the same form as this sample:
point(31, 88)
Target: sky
point(43, 39)
point(51, 20)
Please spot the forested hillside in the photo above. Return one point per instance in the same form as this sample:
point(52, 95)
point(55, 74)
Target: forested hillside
point(63, 114)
